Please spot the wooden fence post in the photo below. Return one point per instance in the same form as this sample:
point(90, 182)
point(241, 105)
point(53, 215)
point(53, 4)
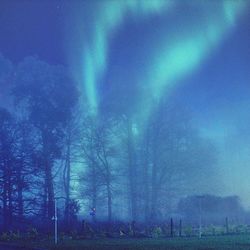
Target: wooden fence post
point(227, 229)
point(180, 228)
point(171, 228)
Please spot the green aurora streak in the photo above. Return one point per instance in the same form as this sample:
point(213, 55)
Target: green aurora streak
point(178, 57)
point(172, 59)
point(109, 16)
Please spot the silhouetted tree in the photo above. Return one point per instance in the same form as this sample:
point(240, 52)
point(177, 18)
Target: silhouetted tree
point(48, 95)
point(7, 166)
point(98, 145)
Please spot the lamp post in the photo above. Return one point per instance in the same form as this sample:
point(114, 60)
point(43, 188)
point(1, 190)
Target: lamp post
point(54, 218)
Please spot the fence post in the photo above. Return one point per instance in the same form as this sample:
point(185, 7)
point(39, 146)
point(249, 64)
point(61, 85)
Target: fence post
point(227, 230)
point(200, 233)
point(171, 227)
point(180, 228)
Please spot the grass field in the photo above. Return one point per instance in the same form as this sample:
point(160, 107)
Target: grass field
point(206, 243)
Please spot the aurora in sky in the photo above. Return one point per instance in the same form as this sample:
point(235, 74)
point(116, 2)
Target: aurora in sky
point(186, 34)
point(167, 47)
point(194, 52)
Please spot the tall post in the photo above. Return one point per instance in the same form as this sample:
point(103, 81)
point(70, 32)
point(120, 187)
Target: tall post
point(180, 228)
point(200, 217)
point(171, 227)
point(227, 229)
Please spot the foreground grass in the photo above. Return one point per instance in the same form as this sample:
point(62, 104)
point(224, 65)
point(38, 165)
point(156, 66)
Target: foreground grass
point(206, 243)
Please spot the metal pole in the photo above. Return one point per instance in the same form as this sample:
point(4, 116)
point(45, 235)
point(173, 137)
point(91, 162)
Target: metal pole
point(55, 223)
point(200, 217)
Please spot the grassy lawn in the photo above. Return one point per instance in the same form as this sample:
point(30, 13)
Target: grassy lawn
point(208, 243)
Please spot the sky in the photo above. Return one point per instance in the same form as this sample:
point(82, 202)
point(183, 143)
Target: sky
point(196, 52)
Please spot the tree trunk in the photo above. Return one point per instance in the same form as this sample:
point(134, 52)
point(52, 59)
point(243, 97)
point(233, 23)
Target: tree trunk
point(154, 171)
point(109, 202)
point(94, 190)
point(67, 185)
point(20, 195)
point(146, 179)
point(154, 199)
point(50, 190)
point(5, 207)
point(131, 171)
point(9, 206)
point(49, 187)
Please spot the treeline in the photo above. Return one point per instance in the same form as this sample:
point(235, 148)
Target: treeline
point(53, 146)
point(212, 210)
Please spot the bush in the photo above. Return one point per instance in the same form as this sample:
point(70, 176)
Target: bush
point(32, 233)
point(157, 232)
point(5, 237)
point(188, 231)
